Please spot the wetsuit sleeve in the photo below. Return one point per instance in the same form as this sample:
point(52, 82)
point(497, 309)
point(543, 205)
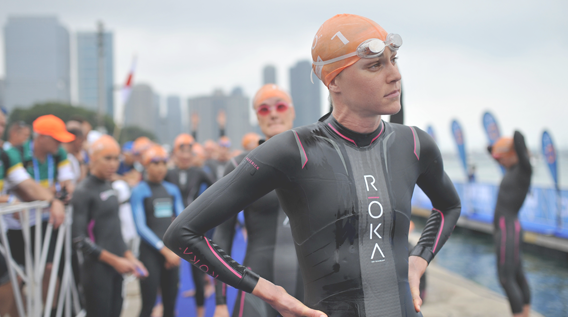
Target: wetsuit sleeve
point(445, 201)
point(521, 150)
point(265, 169)
point(81, 203)
point(137, 204)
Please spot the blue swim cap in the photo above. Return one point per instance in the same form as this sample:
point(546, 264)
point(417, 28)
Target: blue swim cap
point(127, 147)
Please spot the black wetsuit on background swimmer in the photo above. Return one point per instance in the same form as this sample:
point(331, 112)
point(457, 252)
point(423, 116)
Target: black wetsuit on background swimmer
point(508, 235)
point(96, 227)
point(189, 182)
point(347, 196)
point(270, 251)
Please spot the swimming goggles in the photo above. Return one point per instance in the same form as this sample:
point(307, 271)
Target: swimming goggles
point(264, 110)
point(370, 48)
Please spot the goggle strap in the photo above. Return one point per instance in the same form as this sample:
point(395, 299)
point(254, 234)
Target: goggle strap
point(333, 60)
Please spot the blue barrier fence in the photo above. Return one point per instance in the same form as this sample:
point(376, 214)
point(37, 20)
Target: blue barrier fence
point(538, 214)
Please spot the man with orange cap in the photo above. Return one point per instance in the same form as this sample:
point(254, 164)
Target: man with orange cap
point(155, 203)
point(512, 154)
point(46, 162)
point(97, 233)
point(345, 184)
point(270, 247)
point(188, 180)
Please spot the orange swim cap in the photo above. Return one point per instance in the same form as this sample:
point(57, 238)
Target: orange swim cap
point(183, 139)
point(140, 145)
point(250, 141)
point(269, 91)
point(154, 154)
point(338, 36)
point(502, 148)
point(103, 146)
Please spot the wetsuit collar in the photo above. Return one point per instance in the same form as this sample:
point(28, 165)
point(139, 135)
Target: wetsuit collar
point(359, 139)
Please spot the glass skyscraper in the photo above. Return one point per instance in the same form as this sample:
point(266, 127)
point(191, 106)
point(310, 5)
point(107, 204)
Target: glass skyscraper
point(37, 61)
point(87, 71)
point(305, 95)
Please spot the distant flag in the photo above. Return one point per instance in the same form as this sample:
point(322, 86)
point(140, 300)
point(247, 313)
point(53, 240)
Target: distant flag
point(430, 131)
point(127, 88)
point(491, 128)
point(492, 131)
point(549, 153)
point(460, 142)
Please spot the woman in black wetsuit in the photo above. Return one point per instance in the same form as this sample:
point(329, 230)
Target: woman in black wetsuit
point(188, 178)
point(513, 155)
point(345, 183)
point(270, 247)
point(96, 233)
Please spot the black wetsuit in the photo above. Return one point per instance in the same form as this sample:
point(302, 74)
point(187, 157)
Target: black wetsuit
point(189, 182)
point(154, 206)
point(270, 251)
point(508, 234)
point(347, 196)
point(96, 227)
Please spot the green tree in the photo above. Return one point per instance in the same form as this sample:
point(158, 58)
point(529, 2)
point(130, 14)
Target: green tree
point(61, 110)
point(66, 111)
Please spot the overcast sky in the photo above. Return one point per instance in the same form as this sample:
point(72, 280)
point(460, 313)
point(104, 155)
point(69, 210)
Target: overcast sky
point(457, 60)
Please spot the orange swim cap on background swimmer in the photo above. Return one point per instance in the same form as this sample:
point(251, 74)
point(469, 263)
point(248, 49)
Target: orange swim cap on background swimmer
point(502, 148)
point(155, 153)
point(269, 91)
point(183, 139)
point(140, 145)
point(339, 36)
point(105, 145)
point(250, 141)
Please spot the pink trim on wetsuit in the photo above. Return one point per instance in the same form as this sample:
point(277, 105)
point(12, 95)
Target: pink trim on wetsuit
point(91, 230)
point(306, 162)
point(382, 129)
point(517, 239)
point(225, 263)
point(439, 232)
point(503, 239)
point(341, 135)
point(414, 138)
point(242, 304)
point(374, 197)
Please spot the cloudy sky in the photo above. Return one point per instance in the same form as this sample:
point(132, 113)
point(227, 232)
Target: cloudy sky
point(458, 60)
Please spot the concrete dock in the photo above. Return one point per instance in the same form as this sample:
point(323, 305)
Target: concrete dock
point(448, 295)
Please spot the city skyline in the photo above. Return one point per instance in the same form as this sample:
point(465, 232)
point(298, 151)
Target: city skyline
point(482, 62)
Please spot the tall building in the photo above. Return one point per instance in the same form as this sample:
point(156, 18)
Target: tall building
point(36, 62)
point(269, 75)
point(88, 70)
point(305, 95)
point(140, 108)
point(236, 106)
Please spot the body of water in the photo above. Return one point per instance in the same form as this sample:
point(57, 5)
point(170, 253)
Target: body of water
point(472, 255)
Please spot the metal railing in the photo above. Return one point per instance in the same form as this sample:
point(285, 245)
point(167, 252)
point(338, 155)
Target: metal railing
point(33, 272)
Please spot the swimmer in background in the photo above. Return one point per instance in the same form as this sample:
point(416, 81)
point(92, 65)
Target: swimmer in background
point(512, 154)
